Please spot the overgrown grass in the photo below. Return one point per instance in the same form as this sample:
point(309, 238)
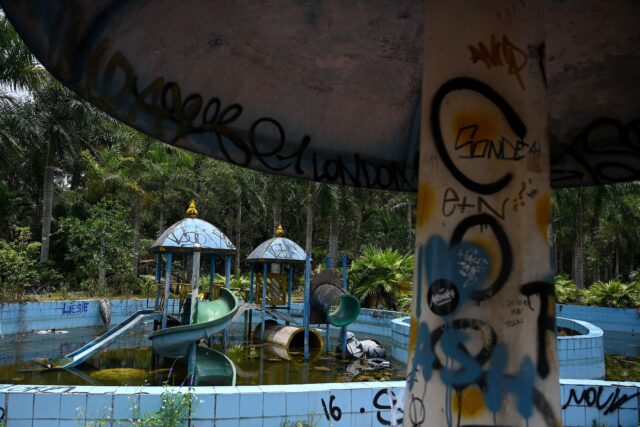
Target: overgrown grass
point(175, 411)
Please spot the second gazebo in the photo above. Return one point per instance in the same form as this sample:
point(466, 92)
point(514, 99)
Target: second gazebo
point(277, 251)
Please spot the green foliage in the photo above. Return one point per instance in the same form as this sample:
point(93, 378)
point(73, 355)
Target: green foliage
point(566, 291)
point(298, 424)
point(18, 265)
point(380, 277)
point(612, 294)
point(175, 410)
point(100, 245)
point(237, 282)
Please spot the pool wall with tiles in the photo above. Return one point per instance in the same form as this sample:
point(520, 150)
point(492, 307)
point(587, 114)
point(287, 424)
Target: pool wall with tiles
point(581, 356)
point(348, 404)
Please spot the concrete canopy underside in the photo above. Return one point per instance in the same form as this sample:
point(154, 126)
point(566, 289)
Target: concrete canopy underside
point(331, 91)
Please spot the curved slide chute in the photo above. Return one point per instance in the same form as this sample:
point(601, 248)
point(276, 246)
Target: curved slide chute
point(211, 317)
point(211, 367)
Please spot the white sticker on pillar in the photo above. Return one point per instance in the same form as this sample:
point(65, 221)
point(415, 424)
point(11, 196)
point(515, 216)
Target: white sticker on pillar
point(483, 345)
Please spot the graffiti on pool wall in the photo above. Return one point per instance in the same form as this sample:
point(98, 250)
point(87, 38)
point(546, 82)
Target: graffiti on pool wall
point(388, 406)
point(391, 412)
point(74, 307)
point(331, 412)
point(595, 397)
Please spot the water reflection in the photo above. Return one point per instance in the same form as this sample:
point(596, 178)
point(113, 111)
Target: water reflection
point(130, 361)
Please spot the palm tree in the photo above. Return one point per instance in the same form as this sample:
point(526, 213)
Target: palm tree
point(328, 201)
point(310, 200)
point(168, 170)
point(19, 69)
point(381, 277)
point(120, 170)
point(407, 202)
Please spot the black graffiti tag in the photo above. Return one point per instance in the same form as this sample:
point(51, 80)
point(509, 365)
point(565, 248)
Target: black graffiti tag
point(333, 412)
point(606, 151)
point(546, 322)
point(391, 408)
point(592, 396)
point(113, 85)
point(515, 123)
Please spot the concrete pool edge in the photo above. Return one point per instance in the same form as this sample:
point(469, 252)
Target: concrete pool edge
point(583, 401)
point(336, 404)
point(581, 356)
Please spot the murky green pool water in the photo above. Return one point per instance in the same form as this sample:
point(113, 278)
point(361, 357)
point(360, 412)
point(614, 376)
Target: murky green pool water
point(130, 361)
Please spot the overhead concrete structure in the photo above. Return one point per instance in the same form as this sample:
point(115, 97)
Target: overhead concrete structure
point(331, 91)
point(494, 103)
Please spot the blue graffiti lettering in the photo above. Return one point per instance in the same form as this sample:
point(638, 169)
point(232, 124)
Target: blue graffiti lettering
point(452, 340)
point(499, 384)
point(423, 357)
point(74, 307)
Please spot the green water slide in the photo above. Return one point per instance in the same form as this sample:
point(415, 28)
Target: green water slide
point(211, 318)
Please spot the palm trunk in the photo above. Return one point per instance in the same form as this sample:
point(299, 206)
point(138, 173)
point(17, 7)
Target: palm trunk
point(277, 210)
point(578, 253)
point(560, 261)
point(308, 247)
point(359, 220)
point(333, 240)
point(197, 174)
point(137, 219)
point(161, 221)
point(617, 264)
point(102, 272)
point(409, 226)
point(47, 203)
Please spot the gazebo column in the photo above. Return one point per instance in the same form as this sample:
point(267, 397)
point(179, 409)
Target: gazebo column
point(251, 298)
point(212, 276)
point(289, 290)
point(343, 329)
point(483, 345)
point(167, 286)
point(195, 278)
point(227, 271)
point(307, 306)
point(265, 266)
point(156, 305)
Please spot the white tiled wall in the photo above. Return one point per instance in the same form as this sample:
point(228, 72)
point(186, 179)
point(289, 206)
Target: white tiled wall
point(350, 404)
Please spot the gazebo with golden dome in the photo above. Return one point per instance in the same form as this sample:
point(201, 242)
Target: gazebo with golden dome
point(280, 251)
point(195, 236)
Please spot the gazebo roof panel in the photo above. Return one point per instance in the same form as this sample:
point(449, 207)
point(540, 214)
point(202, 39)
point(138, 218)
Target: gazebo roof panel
point(186, 233)
point(278, 249)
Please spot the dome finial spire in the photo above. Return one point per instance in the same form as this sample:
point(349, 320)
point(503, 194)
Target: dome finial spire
point(279, 231)
point(192, 212)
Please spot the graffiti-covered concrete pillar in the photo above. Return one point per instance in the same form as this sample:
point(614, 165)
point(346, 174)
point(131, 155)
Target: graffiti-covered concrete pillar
point(483, 345)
